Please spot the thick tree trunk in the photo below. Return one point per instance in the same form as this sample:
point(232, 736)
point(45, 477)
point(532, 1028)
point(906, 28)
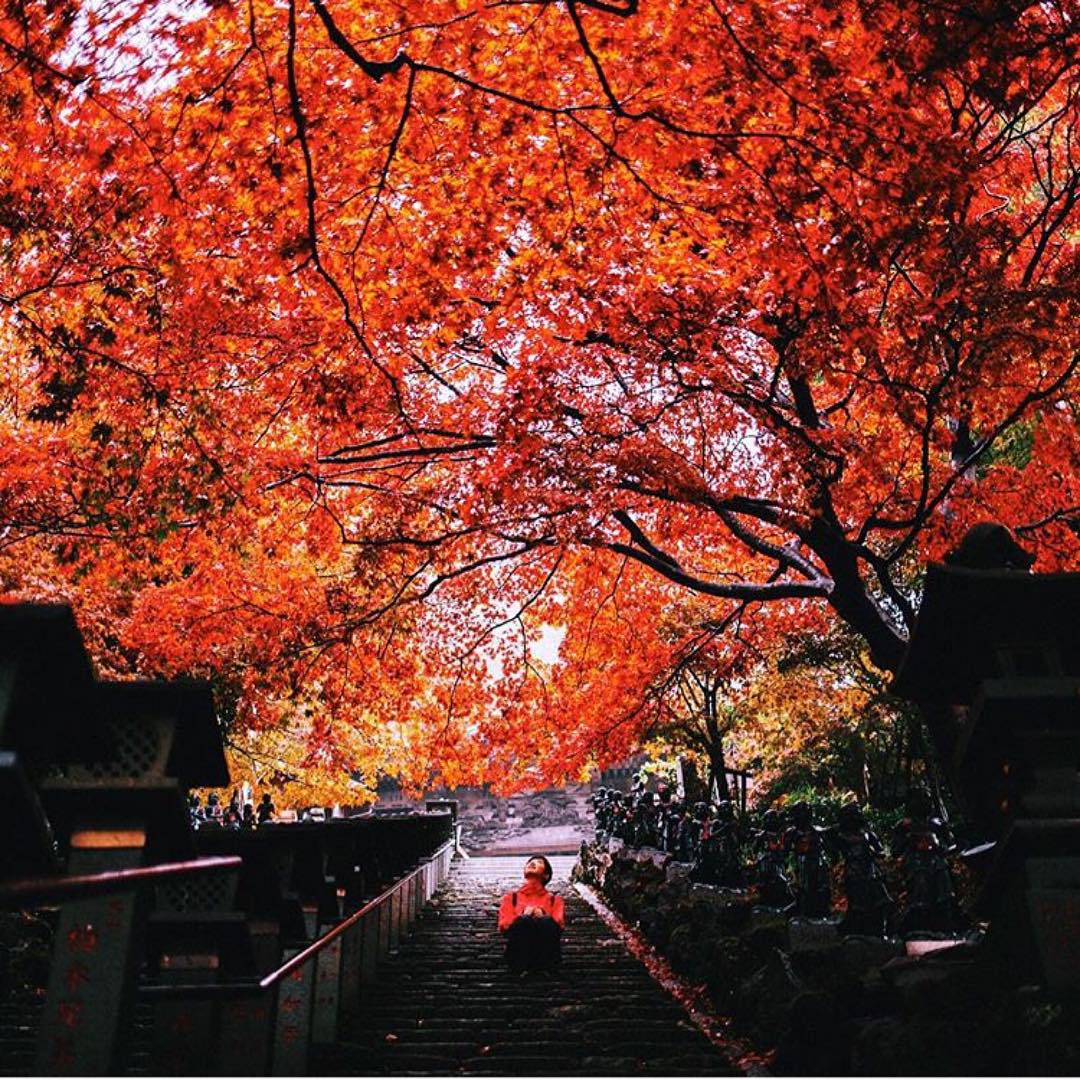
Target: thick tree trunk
point(717, 761)
point(718, 769)
point(851, 600)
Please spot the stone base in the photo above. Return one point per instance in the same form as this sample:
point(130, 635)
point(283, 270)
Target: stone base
point(812, 933)
point(1033, 898)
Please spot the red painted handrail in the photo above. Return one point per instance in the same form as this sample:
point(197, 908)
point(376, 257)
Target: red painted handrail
point(317, 946)
point(51, 890)
point(267, 982)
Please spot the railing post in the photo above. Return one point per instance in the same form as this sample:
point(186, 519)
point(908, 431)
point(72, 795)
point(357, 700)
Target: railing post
point(395, 916)
point(92, 977)
point(245, 1036)
point(327, 995)
point(385, 914)
point(351, 953)
point(369, 952)
point(292, 1030)
point(414, 895)
point(184, 1034)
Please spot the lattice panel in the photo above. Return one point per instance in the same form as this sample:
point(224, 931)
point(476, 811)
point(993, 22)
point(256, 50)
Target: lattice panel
point(141, 747)
point(204, 893)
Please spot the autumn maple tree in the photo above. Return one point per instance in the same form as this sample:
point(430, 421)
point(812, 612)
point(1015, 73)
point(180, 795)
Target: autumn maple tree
point(440, 373)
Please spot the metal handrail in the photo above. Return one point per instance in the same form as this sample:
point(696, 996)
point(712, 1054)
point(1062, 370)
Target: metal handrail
point(274, 977)
point(317, 946)
point(51, 890)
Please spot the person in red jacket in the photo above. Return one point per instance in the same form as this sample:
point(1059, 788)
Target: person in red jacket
point(532, 920)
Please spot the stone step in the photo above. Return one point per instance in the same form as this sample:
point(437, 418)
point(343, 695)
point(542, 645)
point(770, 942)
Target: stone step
point(450, 1007)
point(621, 989)
point(543, 1063)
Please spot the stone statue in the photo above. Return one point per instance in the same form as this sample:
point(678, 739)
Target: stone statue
point(923, 841)
point(690, 833)
point(613, 813)
point(622, 823)
point(770, 869)
point(644, 819)
point(663, 809)
point(605, 813)
point(805, 842)
point(670, 824)
point(870, 908)
point(598, 799)
point(720, 858)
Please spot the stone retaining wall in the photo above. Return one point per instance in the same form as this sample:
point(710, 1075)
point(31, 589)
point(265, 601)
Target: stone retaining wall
point(830, 1005)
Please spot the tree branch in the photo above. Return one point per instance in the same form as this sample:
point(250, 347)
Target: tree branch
point(778, 590)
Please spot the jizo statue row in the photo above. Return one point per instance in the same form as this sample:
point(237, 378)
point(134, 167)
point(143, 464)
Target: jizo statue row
point(787, 860)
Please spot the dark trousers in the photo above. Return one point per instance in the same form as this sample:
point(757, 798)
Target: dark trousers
point(532, 943)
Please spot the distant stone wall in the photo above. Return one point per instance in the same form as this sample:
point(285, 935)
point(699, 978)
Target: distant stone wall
point(543, 821)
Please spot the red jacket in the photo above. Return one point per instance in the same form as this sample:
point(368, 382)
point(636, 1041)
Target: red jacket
point(531, 894)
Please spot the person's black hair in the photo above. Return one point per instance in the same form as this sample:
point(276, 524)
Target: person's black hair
point(548, 872)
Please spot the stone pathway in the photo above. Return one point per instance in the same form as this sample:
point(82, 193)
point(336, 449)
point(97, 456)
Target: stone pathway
point(444, 1003)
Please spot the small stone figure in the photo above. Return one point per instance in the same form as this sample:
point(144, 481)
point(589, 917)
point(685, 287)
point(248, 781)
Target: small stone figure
point(195, 811)
point(611, 811)
point(869, 905)
point(644, 819)
point(266, 809)
point(690, 833)
point(600, 812)
point(621, 822)
point(248, 820)
point(805, 841)
point(614, 813)
point(770, 870)
point(667, 822)
point(720, 861)
point(663, 811)
point(923, 842)
point(599, 808)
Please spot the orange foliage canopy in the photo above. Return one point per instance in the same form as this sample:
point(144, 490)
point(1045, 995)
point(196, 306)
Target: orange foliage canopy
point(359, 354)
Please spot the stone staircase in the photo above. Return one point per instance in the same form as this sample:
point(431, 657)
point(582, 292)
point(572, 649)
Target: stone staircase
point(445, 1004)
point(18, 1034)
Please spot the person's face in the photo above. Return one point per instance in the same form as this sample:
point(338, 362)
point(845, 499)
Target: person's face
point(535, 868)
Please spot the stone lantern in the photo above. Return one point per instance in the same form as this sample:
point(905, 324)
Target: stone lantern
point(994, 662)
